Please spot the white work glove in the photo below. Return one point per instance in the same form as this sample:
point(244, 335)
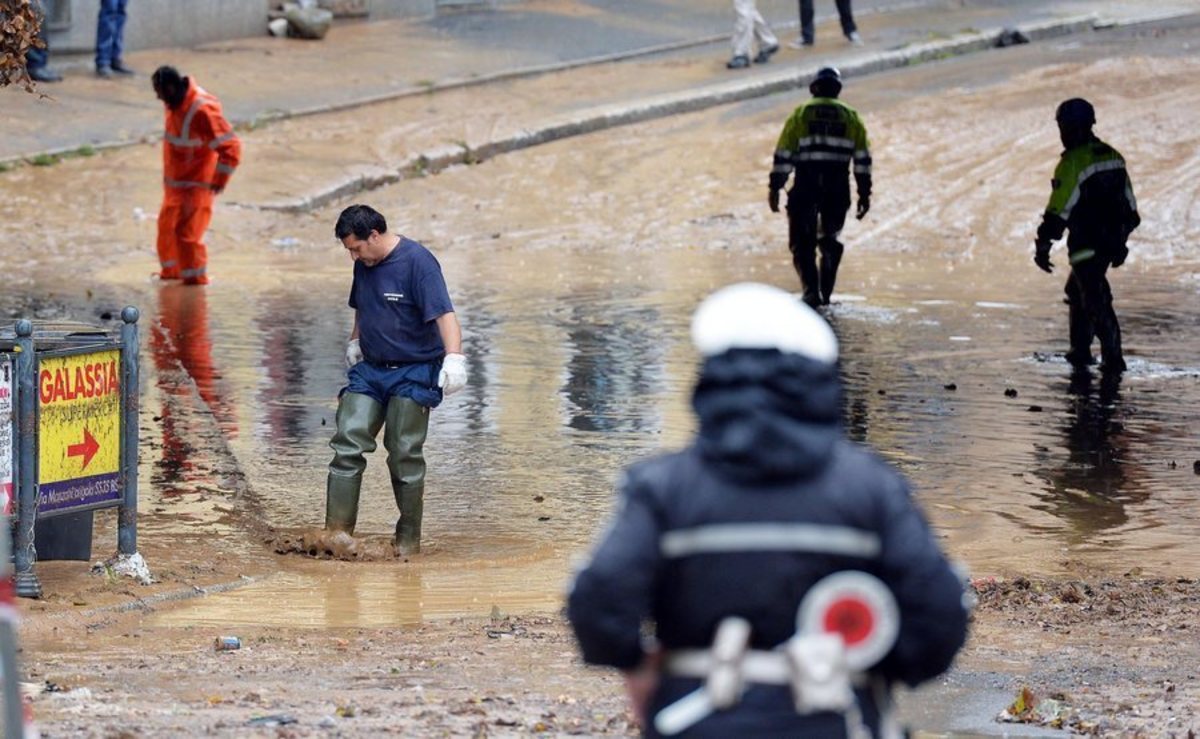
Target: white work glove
point(354, 354)
point(453, 376)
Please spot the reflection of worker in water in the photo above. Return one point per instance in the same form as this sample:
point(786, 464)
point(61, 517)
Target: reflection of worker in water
point(754, 540)
point(405, 351)
point(180, 343)
point(1093, 197)
point(200, 153)
point(1090, 490)
point(818, 142)
point(613, 368)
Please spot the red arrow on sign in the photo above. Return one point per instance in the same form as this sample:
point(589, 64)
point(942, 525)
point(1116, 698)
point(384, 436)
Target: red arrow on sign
point(87, 449)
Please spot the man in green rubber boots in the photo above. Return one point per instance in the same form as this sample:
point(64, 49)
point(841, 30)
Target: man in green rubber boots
point(404, 354)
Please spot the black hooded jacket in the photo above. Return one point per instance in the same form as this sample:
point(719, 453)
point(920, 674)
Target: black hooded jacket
point(769, 450)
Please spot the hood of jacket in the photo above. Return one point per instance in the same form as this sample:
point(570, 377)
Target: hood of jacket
point(767, 416)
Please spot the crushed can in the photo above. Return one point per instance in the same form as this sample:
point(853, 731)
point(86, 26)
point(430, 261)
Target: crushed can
point(228, 643)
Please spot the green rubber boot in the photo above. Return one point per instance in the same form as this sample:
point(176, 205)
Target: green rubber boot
point(404, 437)
point(359, 419)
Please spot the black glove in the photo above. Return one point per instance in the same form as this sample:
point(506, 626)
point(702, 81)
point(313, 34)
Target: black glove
point(773, 201)
point(1041, 257)
point(864, 205)
point(1120, 255)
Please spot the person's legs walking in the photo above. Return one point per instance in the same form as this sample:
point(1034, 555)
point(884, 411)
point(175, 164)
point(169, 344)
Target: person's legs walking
point(1097, 301)
point(846, 16)
point(118, 47)
point(807, 31)
point(834, 205)
point(768, 44)
point(743, 33)
point(802, 241)
point(168, 247)
point(195, 216)
point(1079, 323)
point(106, 31)
point(37, 60)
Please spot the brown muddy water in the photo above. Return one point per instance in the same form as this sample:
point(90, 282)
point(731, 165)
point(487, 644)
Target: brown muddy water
point(575, 268)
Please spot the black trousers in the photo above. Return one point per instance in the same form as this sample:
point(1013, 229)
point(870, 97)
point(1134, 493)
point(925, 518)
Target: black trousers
point(1089, 299)
point(807, 32)
point(817, 208)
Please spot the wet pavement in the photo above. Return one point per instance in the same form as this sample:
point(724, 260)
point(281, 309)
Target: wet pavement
point(575, 267)
point(579, 355)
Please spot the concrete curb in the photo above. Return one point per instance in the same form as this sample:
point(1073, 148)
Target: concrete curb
point(688, 101)
point(147, 604)
point(453, 83)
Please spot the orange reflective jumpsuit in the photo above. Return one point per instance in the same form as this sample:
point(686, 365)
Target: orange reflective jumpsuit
point(200, 153)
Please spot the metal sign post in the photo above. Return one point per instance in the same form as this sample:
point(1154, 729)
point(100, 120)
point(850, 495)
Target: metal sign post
point(27, 583)
point(127, 516)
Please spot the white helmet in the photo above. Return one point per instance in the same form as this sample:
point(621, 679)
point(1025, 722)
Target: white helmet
point(750, 315)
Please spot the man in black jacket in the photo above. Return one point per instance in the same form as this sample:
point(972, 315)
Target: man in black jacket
point(1092, 197)
point(788, 576)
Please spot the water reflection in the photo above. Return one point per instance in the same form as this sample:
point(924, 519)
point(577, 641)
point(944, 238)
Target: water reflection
point(1090, 489)
point(182, 349)
point(616, 362)
point(284, 366)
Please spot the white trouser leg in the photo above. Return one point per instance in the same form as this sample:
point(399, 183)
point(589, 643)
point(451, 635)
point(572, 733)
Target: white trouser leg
point(766, 37)
point(743, 26)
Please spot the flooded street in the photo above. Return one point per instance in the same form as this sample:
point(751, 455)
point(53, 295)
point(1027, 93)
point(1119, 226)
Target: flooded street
point(576, 293)
point(575, 267)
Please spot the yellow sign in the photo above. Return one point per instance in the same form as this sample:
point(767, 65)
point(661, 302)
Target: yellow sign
point(79, 430)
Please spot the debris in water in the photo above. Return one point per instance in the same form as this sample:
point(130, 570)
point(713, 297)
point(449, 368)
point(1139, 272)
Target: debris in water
point(1010, 392)
point(950, 386)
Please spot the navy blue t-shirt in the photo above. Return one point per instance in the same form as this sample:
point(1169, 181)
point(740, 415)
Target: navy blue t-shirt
point(397, 302)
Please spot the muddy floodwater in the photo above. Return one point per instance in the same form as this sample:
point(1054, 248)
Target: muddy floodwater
point(575, 268)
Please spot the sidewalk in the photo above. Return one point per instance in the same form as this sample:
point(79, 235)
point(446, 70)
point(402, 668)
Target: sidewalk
point(260, 78)
point(671, 55)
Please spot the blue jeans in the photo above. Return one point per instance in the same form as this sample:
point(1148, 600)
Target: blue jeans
point(38, 58)
point(110, 31)
point(845, 14)
point(416, 381)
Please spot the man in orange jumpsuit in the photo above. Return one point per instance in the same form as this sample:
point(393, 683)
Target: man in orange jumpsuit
point(200, 153)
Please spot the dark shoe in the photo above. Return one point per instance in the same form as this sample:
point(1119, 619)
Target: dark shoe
point(740, 61)
point(105, 72)
point(1113, 366)
point(120, 68)
point(44, 74)
point(764, 55)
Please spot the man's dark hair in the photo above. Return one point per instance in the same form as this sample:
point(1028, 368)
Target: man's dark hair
point(169, 85)
point(359, 220)
point(166, 76)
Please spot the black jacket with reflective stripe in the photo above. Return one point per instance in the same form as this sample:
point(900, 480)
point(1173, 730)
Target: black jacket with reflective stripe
point(770, 451)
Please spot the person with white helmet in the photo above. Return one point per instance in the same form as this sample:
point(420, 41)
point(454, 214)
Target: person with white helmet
point(788, 578)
